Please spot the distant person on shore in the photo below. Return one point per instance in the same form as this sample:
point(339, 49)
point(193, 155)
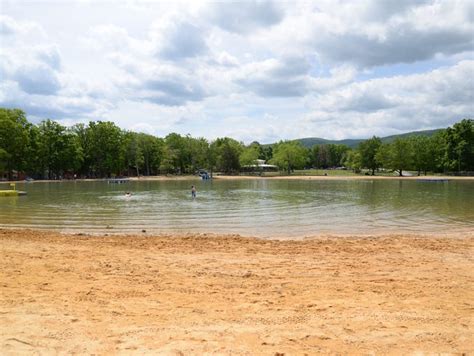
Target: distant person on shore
point(193, 191)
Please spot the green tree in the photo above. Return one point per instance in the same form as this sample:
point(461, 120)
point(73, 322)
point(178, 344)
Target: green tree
point(368, 150)
point(199, 151)
point(249, 155)
point(267, 153)
point(422, 154)
point(167, 163)
point(3, 159)
point(152, 150)
point(103, 149)
point(132, 152)
point(34, 164)
point(14, 139)
point(72, 156)
point(437, 149)
point(80, 131)
point(397, 155)
point(319, 156)
point(178, 152)
point(353, 160)
point(58, 149)
point(459, 154)
point(337, 154)
point(289, 155)
point(226, 153)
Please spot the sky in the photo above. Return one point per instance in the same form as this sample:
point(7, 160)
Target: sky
point(251, 70)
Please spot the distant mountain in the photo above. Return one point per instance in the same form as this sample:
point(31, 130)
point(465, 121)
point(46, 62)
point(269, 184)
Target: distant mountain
point(353, 143)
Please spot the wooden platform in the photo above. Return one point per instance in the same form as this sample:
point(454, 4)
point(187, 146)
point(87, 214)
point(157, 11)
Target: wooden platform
point(118, 180)
point(11, 193)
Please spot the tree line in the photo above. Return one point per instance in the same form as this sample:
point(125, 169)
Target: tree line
point(102, 149)
point(448, 151)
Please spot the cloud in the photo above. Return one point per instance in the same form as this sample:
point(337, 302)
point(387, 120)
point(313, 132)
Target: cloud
point(401, 45)
point(381, 33)
point(392, 105)
point(245, 16)
point(50, 106)
point(9, 26)
point(355, 98)
point(168, 85)
point(34, 68)
point(380, 11)
point(178, 39)
point(284, 77)
point(39, 79)
point(264, 69)
point(49, 55)
point(225, 59)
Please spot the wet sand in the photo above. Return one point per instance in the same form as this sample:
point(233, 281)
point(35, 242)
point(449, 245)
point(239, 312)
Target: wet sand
point(212, 294)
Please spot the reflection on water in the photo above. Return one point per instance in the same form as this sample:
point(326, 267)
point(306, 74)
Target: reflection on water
point(247, 207)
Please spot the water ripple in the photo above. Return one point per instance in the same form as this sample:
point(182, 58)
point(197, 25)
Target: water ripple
point(265, 208)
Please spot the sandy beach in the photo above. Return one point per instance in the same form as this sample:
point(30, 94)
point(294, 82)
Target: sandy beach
point(211, 294)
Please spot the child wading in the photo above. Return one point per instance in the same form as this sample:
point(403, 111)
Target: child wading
point(193, 191)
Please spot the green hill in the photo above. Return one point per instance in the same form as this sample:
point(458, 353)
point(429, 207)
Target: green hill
point(353, 143)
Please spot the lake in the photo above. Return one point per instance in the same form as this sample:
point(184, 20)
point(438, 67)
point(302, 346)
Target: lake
point(263, 208)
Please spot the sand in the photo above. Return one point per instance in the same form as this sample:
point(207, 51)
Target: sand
point(212, 294)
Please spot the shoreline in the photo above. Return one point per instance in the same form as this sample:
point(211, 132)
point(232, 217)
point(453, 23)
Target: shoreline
point(228, 177)
point(211, 293)
point(434, 178)
point(158, 234)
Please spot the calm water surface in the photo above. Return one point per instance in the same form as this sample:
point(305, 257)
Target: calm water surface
point(249, 207)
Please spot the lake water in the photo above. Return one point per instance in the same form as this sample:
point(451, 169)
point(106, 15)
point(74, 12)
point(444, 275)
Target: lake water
point(264, 208)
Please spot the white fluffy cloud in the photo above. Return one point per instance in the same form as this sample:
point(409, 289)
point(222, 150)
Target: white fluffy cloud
point(262, 70)
point(245, 16)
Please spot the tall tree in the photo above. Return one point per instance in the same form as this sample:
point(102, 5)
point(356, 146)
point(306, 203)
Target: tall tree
point(227, 153)
point(459, 154)
point(323, 156)
point(397, 155)
point(178, 150)
point(103, 148)
point(353, 160)
point(132, 152)
point(422, 154)
point(289, 155)
point(14, 139)
point(337, 154)
point(152, 150)
point(249, 155)
point(199, 151)
point(267, 153)
point(58, 149)
point(368, 150)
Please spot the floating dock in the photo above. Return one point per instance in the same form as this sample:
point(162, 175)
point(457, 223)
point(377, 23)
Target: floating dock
point(11, 193)
point(118, 180)
point(433, 180)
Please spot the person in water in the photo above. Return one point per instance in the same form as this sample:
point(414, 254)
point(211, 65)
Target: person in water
point(128, 194)
point(193, 191)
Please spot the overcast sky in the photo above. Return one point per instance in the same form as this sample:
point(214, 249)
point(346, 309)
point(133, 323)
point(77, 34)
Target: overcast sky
point(251, 70)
